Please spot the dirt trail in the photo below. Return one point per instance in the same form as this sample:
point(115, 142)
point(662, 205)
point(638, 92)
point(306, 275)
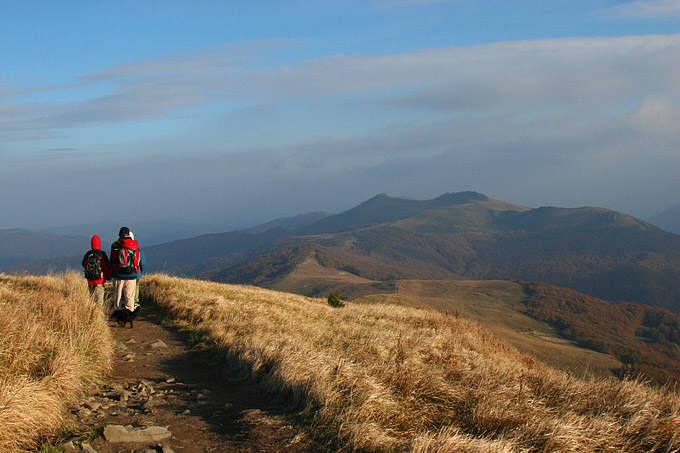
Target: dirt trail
point(162, 379)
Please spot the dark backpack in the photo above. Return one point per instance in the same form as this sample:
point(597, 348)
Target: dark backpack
point(93, 267)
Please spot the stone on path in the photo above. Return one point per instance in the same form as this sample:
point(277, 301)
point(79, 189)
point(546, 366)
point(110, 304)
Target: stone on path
point(120, 433)
point(87, 448)
point(159, 344)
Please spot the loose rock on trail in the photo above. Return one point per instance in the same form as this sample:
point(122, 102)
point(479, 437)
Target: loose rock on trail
point(167, 394)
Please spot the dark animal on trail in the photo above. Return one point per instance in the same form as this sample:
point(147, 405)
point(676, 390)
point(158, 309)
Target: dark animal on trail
point(124, 316)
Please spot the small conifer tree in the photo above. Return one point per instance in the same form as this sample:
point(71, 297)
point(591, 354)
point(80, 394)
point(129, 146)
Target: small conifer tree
point(334, 300)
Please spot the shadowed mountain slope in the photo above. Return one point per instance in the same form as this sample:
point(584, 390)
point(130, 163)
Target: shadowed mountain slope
point(600, 252)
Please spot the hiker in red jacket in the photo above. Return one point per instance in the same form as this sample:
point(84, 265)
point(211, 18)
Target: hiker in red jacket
point(97, 270)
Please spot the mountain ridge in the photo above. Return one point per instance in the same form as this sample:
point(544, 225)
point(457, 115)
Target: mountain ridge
point(464, 235)
point(594, 250)
point(384, 208)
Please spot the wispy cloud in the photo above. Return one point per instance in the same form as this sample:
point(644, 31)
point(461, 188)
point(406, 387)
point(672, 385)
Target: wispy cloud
point(598, 73)
point(479, 117)
point(646, 9)
point(133, 91)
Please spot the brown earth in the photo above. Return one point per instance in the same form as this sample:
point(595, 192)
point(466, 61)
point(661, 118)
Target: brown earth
point(161, 378)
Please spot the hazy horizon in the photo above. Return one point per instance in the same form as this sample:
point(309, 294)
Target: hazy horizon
point(237, 113)
point(208, 228)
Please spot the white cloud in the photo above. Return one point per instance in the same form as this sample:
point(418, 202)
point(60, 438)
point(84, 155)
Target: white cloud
point(481, 117)
point(592, 73)
point(659, 118)
point(646, 9)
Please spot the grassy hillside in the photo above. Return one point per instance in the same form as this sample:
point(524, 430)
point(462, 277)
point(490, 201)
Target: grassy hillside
point(565, 328)
point(54, 345)
point(501, 308)
point(389, 378)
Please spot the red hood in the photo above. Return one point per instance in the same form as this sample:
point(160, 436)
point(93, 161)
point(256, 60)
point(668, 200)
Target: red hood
point(130, 243)
point(96, 242)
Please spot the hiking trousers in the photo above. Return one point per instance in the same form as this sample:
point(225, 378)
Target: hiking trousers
point(97, 294)
point(124, 294)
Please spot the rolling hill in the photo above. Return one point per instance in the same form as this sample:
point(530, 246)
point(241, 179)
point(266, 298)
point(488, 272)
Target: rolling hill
point(600, 252)
point(563, 327)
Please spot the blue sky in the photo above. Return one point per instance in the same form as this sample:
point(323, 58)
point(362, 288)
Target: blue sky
point(238, 112)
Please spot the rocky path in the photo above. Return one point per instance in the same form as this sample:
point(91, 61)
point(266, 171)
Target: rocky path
point(167, 394)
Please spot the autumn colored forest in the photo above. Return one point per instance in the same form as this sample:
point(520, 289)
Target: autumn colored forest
point(646, 339)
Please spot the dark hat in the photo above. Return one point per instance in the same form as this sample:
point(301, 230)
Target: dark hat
point(125, 231)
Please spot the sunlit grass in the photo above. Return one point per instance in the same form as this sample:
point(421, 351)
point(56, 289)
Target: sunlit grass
point(54, 344)
point(389, 378)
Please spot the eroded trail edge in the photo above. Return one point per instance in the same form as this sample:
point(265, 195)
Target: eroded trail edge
point(187, 392)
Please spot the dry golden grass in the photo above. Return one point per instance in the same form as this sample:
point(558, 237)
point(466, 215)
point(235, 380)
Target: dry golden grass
point(54, 344)
point(390, 378)
point(500, 307)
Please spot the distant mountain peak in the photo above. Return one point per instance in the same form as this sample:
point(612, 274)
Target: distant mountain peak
point(452, 198)
point(382, 197)
point(384, 209)
point(449, 198)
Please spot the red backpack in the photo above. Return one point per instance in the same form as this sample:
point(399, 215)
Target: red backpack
point(126, 257)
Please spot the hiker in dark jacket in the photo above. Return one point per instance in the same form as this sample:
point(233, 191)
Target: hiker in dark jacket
point(97, 270)
point(127, 263)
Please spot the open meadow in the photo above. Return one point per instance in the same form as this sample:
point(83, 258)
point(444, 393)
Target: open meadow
point(389, 378)
point(366, 377)
point(55, 344)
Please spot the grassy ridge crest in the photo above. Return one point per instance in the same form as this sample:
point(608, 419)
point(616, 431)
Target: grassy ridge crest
point(388, 378)
point(55, 344)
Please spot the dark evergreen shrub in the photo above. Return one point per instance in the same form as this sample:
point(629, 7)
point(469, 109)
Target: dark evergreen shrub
point(334, 300)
